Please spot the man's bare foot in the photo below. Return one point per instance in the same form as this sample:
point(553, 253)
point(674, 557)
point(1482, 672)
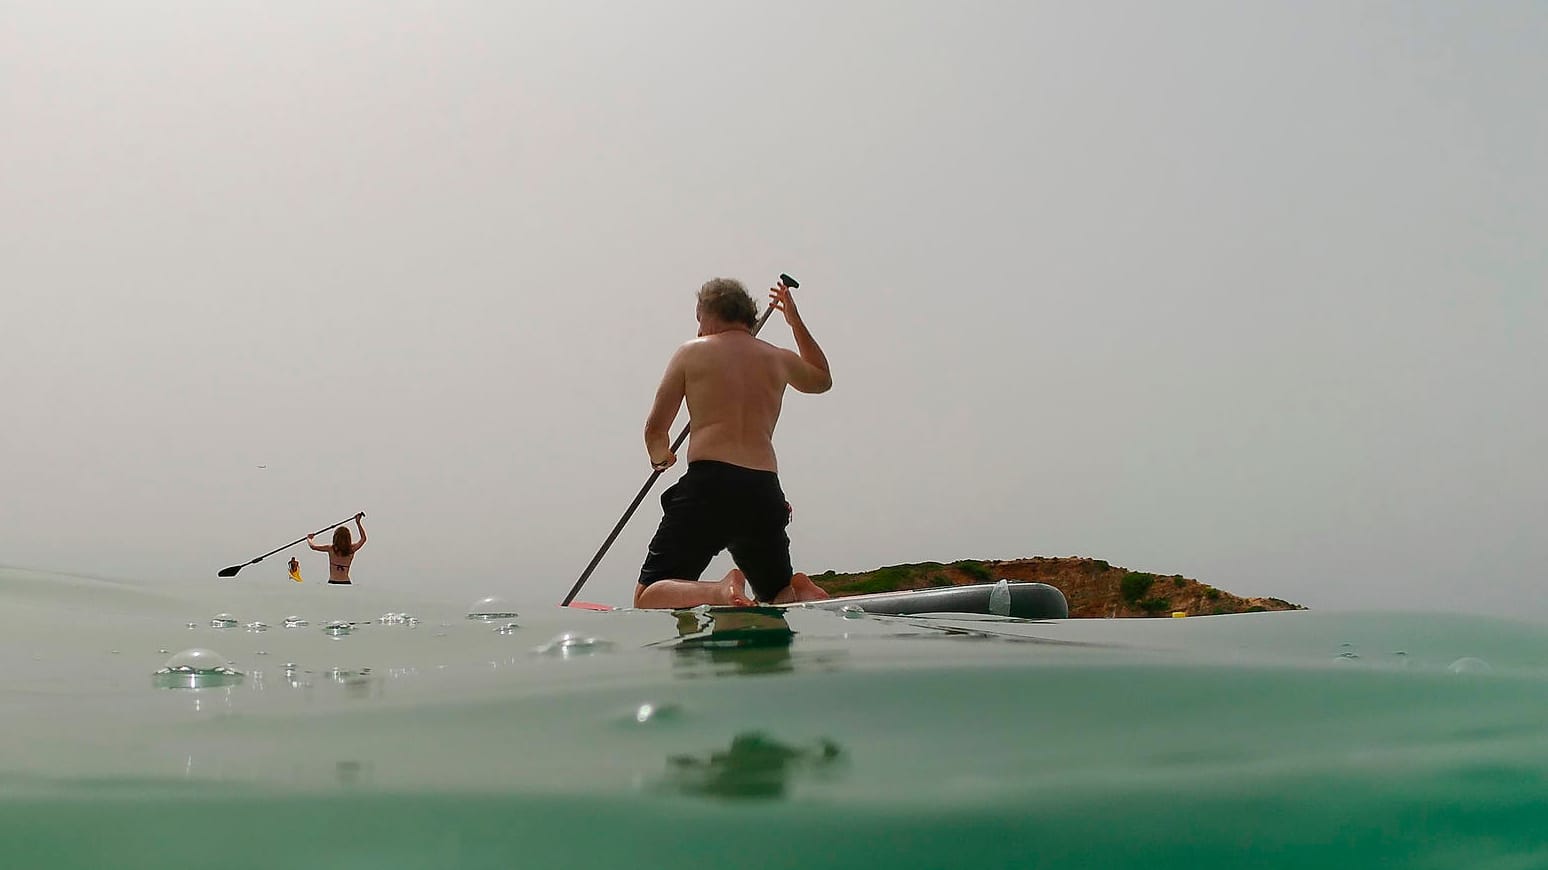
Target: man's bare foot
point(801, 588)
point(805, 589)
point(733, 588)
point(682, 594)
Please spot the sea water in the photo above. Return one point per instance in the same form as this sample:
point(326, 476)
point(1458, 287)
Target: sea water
point(156, 726)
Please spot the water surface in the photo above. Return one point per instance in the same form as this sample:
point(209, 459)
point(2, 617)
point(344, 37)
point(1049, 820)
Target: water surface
point(418, 737)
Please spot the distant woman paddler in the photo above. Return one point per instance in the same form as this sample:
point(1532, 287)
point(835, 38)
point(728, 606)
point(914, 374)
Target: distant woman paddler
point(341, 552)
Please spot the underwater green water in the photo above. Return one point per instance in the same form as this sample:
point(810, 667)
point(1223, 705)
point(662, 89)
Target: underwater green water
point(1262, 740)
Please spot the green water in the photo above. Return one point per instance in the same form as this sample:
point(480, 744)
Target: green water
point(1263, 740)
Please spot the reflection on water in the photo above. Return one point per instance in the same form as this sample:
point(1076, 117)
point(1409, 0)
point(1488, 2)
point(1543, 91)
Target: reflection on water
point(733, 627)
point(357, 683)
point(690, 662)
point(353, 773)
point(708, 661)
point(755, 766)
point(739, 641)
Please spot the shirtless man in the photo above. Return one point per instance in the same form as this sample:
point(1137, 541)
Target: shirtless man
point(341, 553)
point(730, 497)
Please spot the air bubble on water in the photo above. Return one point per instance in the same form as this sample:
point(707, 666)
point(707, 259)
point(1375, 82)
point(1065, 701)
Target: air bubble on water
point(508, 628)
point(491, 608)
point(257, 626)
point(197, 659)
point(1469, 665)
point(852, 611)
point(648, 713)
point(295, 622)
point(572, 644)
point(196, 668)
point(223, 620)
point(337, 628)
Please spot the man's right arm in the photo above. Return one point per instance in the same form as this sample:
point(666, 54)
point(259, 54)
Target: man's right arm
point(809, 372)
point(669, 399)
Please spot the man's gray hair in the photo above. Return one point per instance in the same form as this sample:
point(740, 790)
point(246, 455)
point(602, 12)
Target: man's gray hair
point(728, 300)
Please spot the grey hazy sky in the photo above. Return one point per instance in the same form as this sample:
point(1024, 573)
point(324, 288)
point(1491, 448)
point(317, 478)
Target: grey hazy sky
point(1252, 292)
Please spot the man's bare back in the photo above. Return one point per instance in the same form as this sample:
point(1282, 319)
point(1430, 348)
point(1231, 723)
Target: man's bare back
point(734, 385)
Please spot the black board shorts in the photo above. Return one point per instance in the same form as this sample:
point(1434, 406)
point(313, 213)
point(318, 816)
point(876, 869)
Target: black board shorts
point(719, 506)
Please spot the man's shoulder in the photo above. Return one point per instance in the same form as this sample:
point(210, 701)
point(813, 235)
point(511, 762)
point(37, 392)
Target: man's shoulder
point(692, 345)
point(719, 344)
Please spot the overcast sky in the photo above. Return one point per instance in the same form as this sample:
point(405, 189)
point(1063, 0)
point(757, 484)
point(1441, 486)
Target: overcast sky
point(1251, 292)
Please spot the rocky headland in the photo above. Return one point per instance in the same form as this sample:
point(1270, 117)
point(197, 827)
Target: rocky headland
point(1093, 588)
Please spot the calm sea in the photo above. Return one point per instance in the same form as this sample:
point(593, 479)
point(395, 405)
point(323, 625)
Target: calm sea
point(413, 736)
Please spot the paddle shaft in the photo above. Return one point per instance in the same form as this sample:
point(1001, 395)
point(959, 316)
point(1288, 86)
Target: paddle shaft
point(235, 568)
point(649, 482)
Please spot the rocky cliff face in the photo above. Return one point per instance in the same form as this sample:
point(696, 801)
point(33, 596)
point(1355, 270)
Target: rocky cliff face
point(1093, 588)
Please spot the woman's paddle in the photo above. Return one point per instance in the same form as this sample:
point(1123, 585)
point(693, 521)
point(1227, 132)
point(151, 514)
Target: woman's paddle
point(231, 572)
point(784, 279)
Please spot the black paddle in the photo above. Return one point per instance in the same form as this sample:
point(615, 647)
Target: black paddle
point(231, 572)
point(784, 280)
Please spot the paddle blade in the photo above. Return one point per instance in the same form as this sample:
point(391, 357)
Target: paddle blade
point(229, 572)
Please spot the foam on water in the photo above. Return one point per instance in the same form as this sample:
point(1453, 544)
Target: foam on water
point(1266, 740)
